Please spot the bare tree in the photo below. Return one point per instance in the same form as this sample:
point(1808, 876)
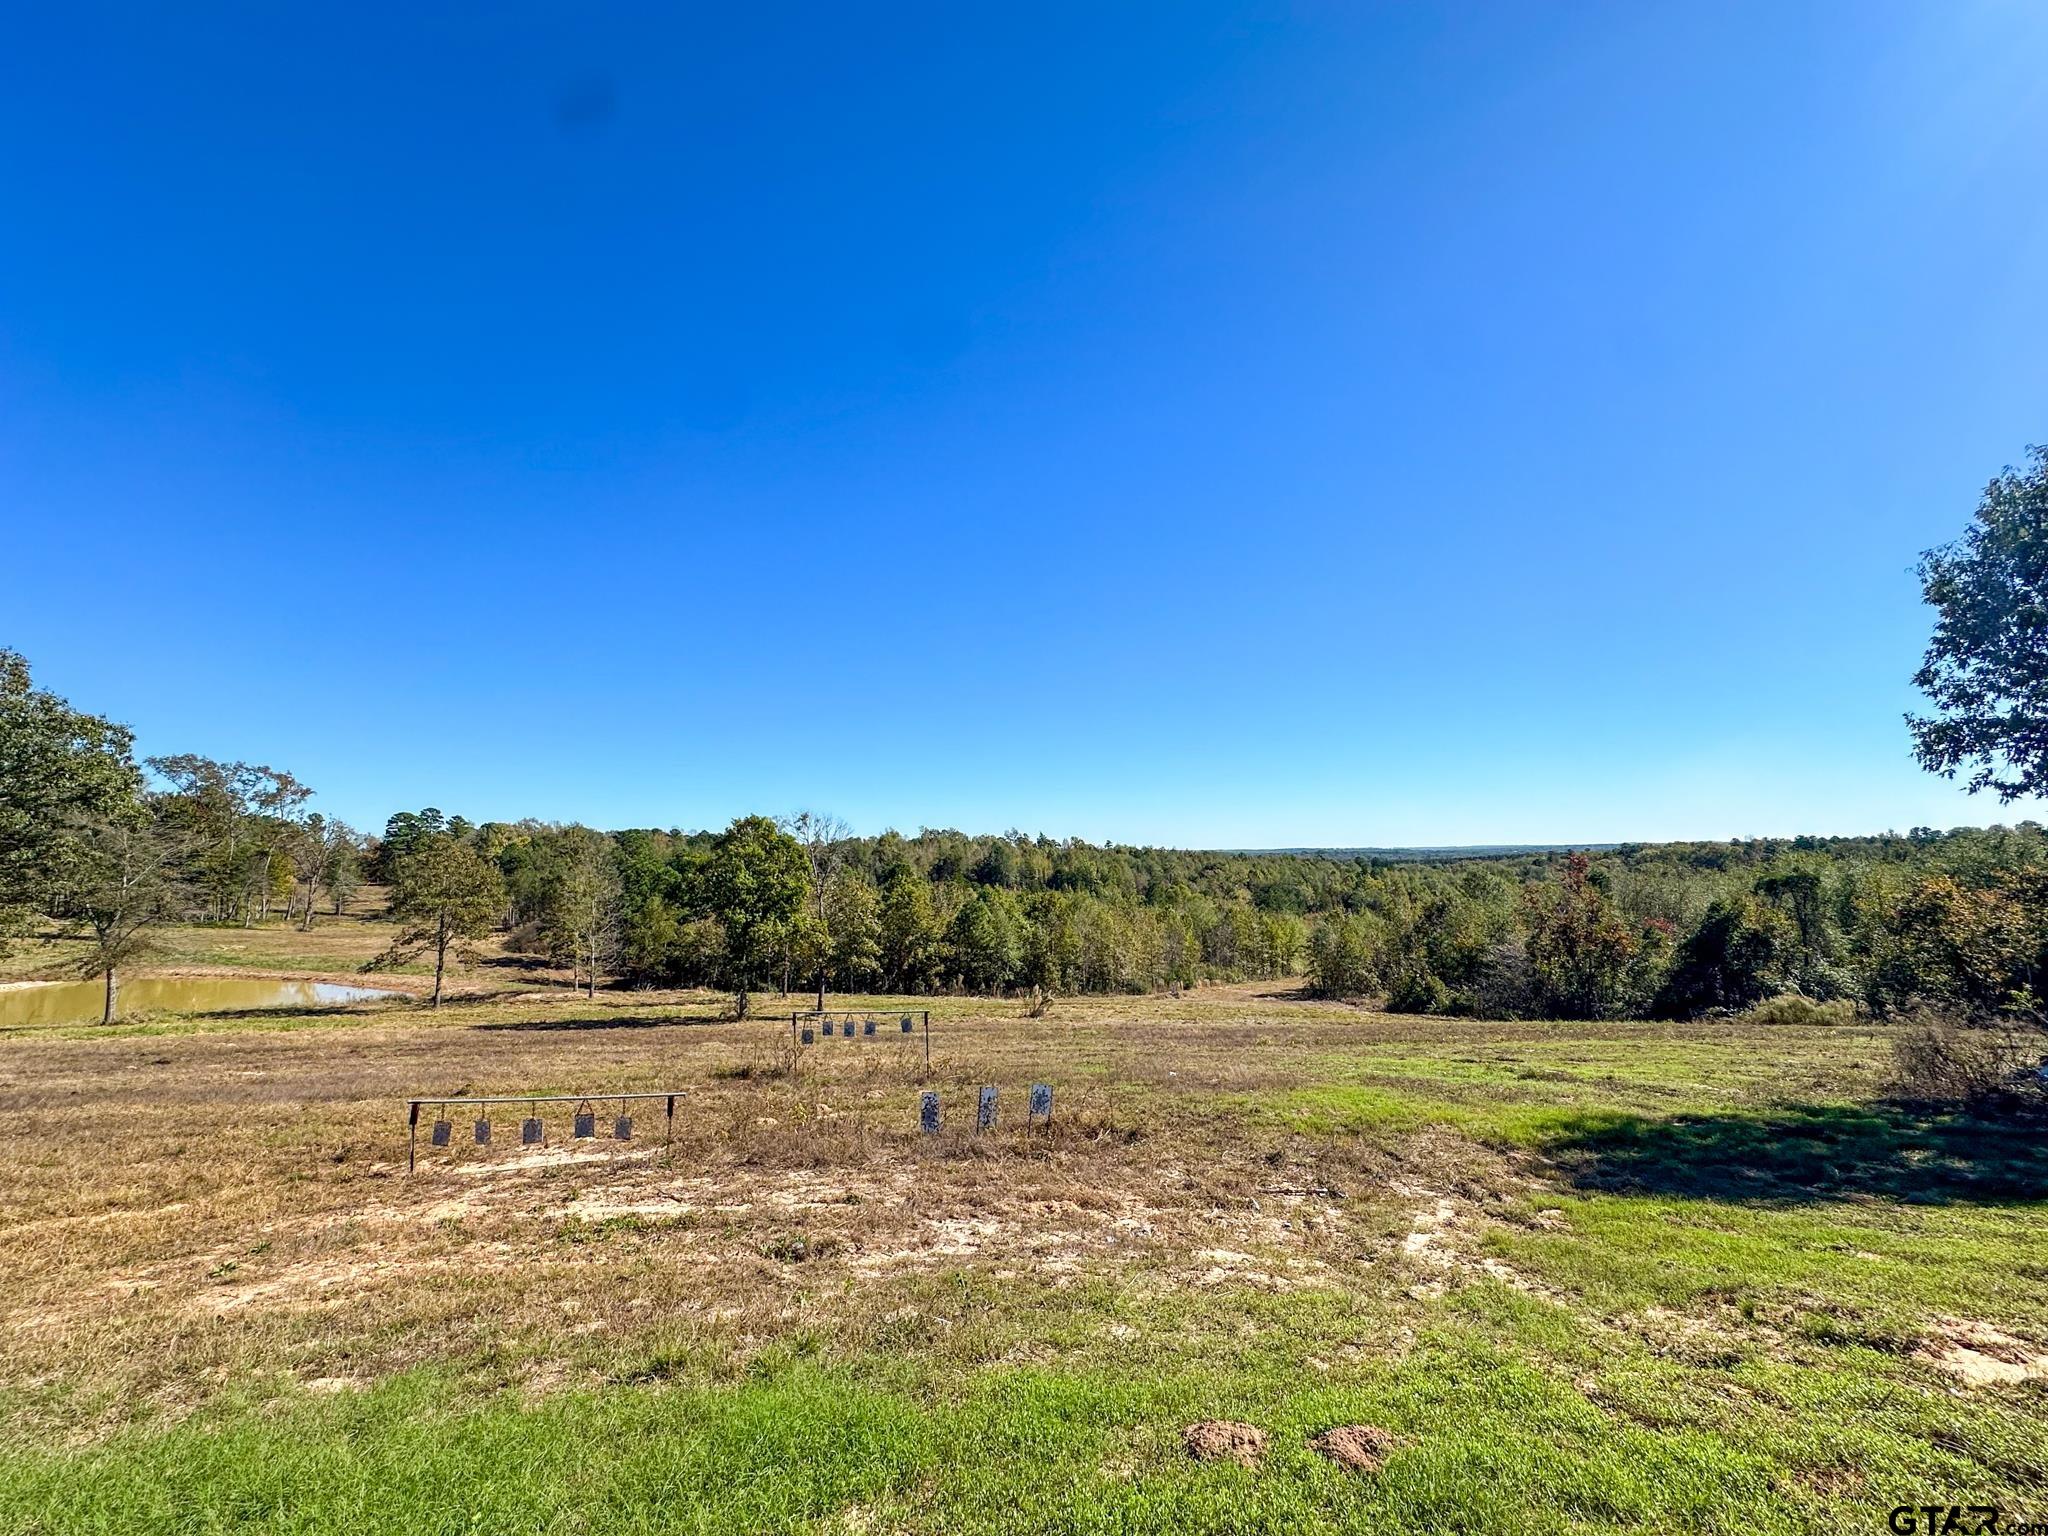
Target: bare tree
point(324, 855)
point(584, 919)
point(823, 837)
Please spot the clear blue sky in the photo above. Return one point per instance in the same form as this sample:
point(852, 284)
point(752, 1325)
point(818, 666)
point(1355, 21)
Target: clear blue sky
point(1194, 424)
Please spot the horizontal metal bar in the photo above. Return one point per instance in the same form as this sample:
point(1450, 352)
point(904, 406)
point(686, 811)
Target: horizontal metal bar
point(558, 1098)
point(864, 1013)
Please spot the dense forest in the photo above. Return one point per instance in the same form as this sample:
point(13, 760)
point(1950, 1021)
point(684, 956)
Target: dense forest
point(1957, 920)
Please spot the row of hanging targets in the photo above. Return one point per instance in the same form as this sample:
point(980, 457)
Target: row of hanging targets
point(846, 1028)
point(1038, 1109)
point(532, 1131)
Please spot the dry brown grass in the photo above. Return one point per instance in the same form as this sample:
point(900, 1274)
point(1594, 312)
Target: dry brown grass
point(192, 1211)
point(187, 1211)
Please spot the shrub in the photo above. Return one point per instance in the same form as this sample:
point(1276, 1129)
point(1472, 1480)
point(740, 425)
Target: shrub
point(1736, 958)
point(1345, 954)
point(1504, 986)
point(1798, 1008)
point(1419, 990)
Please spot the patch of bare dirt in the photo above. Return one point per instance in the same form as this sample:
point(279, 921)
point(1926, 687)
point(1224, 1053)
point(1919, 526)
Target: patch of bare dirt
point(311, 1282)
point(1355, 1447)
point(1979, 1355)
point(1225, 1440)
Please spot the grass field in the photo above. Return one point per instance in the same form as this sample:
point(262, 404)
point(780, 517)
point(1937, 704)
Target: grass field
point(1605, 1277)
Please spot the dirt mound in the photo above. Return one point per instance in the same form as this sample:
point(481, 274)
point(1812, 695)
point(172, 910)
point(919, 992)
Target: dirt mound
point(1356, 1447)
point(1225, 1440)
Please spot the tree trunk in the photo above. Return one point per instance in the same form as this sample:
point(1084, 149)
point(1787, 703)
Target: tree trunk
point(440, 958)
point(113, 996)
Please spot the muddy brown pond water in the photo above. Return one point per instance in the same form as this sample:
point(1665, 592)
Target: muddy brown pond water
point(80, 1002)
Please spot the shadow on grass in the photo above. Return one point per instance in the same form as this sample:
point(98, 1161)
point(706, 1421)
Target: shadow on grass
point(365, 1008)
point(606, 1021)
point(1914, 1154)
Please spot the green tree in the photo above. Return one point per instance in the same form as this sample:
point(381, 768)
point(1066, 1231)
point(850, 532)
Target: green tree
point(1580, 948)
point(341, 874)
point(1345, 954)
point(402, 830)
point(1282, 937)
point(1736, 958)
point(123, 880)
point(984, 940)
point(582, 904)
point(60, 770)
point(853, 918)
point(910, 934)
point(240, 818)
point(447, 897)
point(1979, 952)
point(755, 884)
point(1986, 668)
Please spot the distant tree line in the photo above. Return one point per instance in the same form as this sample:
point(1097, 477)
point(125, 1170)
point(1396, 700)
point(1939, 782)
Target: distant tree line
point(1951, 919)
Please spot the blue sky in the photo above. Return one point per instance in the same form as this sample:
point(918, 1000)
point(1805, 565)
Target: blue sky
point(1210, 425)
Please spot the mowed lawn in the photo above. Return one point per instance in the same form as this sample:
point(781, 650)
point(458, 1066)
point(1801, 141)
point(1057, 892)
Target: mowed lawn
point(1608, 1277)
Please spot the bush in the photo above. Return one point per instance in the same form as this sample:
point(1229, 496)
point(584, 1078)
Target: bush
point(1419, 990)
point(1504, 987)
point(1345, 954)
point(1938, 1060)
point(1798, 1008)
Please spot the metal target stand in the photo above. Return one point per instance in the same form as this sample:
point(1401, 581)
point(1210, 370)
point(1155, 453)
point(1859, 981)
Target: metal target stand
point(532, 1129)
point(863, 1023)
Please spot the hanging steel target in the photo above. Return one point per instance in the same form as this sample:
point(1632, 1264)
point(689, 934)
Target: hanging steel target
point(533, 1125)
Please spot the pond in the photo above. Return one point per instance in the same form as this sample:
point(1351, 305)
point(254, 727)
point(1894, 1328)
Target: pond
point(81, 1002)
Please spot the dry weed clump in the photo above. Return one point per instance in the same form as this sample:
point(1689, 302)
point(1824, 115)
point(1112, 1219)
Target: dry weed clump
point(1943, 1060)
